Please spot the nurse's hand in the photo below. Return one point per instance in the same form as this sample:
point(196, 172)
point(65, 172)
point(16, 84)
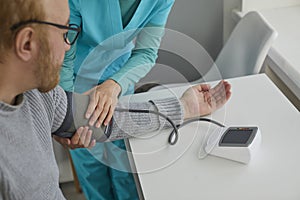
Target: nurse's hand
point(81, 139)
point(103, 101)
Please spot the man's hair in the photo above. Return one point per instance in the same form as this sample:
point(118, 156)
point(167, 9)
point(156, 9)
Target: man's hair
point(13, 12)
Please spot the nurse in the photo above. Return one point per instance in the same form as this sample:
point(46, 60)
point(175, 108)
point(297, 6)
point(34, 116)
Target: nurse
point(117, 46)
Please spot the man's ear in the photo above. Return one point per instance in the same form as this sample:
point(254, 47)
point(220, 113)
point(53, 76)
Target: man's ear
point(25, 44)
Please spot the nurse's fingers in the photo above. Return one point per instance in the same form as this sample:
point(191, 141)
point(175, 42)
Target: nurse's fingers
point(110, 114)
point(104, 113)
point(101, 105)
point(92, 104)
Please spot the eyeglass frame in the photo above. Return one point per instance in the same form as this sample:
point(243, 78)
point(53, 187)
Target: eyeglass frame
point(78, 29)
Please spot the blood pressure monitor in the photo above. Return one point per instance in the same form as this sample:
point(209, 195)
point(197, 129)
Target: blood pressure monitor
point(234, 143)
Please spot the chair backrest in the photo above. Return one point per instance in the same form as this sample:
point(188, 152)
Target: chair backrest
point(246, 48)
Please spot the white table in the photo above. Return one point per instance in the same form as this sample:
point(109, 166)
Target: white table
point(175, 172)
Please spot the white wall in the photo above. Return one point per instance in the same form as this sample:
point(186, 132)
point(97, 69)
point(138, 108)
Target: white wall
point(202, 20)
point(247, 5)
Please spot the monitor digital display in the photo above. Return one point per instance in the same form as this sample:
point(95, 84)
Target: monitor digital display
point(237, 137)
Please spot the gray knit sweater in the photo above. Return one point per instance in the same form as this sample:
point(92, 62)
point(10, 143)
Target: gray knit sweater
point(28, 168)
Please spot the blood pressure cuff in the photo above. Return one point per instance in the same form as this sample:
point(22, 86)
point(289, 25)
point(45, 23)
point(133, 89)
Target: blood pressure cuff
point(75, 118)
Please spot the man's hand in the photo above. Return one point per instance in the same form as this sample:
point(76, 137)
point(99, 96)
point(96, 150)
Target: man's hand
point(202, 100)
point(81, 139)
point(103, 101)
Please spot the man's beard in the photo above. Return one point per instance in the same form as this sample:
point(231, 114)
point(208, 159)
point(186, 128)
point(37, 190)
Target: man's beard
point(47, 72)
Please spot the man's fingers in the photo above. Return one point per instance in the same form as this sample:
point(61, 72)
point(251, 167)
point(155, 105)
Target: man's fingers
point(216, 96)
point(76, 137)
point(228, 92)
point(92, 144)
point(221, 93)
point(82, 138)
point(63, 141)
point(210, 99)
point(219, 90)
point(87, 138)
point(202, 87)
point(83, 135)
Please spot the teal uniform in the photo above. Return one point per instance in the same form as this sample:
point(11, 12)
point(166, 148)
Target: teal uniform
point(114, 44)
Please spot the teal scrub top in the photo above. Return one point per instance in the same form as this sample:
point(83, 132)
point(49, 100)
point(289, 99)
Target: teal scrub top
point(108, 49)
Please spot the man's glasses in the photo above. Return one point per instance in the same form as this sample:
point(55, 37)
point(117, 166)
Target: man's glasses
point(69, 37)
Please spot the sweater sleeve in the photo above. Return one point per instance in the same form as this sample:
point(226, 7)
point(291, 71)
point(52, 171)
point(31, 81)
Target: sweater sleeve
point(60, 104)
point(5, 186)
point(2, 185)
